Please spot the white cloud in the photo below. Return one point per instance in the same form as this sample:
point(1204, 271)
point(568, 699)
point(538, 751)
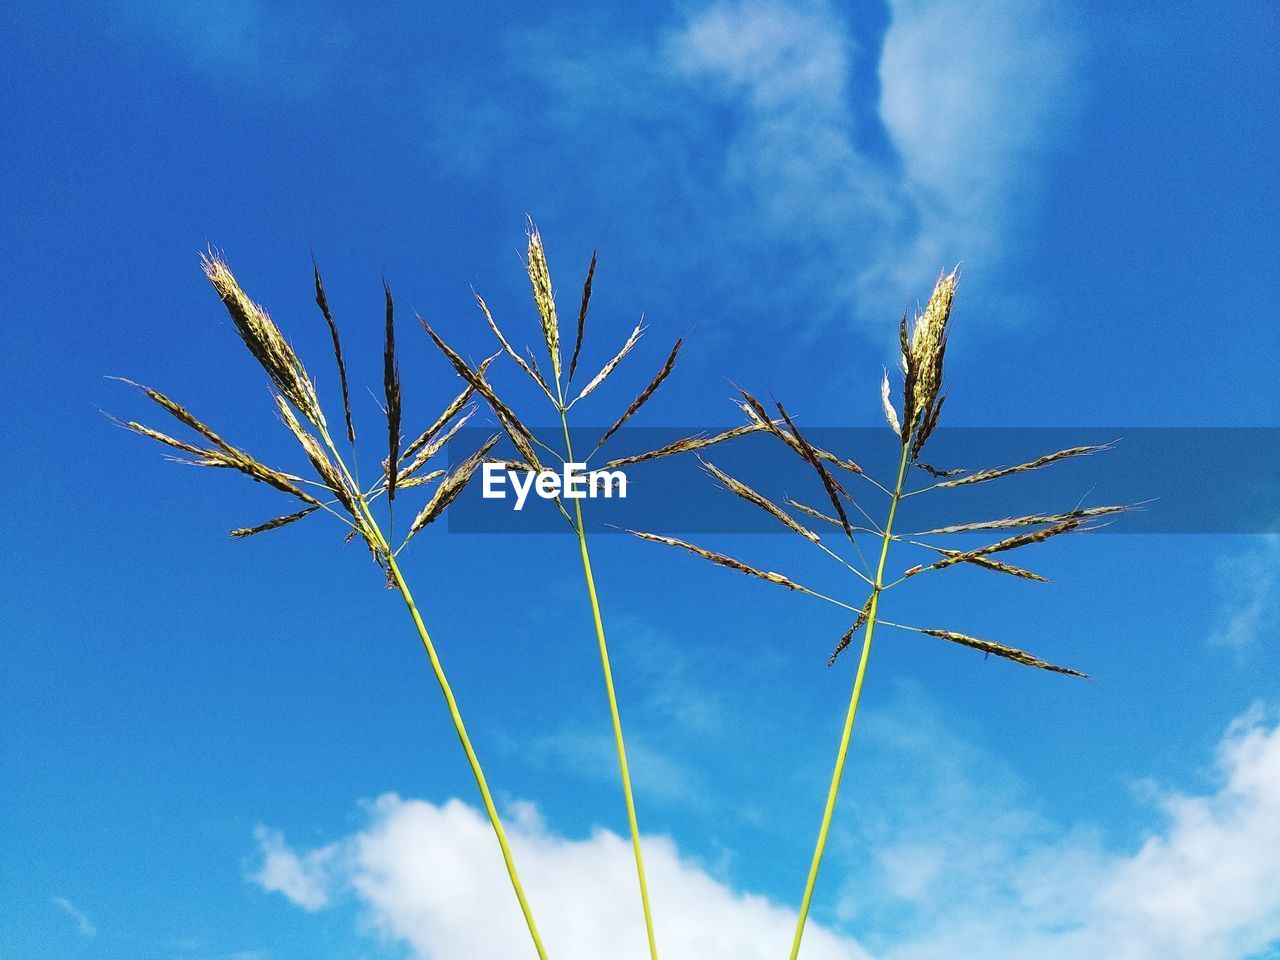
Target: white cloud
point(84, 926)
point(1203, 883)
point(430, 876)
point(845, 167)
point(303, 879)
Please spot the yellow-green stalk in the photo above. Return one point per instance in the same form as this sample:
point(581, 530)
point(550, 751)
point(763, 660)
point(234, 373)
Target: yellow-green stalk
point(854, 698)
point(616, 718)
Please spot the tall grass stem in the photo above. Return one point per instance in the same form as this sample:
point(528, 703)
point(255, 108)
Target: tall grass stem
point(854, 699)
point(613, 703)
point(397, 577)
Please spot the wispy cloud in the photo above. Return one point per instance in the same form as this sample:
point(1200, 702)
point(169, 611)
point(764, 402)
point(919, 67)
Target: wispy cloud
point(1203, 882)
point(278, 49)
point(82, 922)
point(304, 880)
point(1250, 606)
point(784, 155)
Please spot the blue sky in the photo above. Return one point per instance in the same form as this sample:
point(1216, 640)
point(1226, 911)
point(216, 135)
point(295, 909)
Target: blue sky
point(212, 749)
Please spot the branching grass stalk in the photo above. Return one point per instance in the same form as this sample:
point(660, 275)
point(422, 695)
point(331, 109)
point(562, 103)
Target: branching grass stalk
point(854, 699)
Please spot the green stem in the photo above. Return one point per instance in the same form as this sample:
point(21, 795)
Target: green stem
point(455, 714)
point(613, 703)
point(460, 727)
point(855, 697)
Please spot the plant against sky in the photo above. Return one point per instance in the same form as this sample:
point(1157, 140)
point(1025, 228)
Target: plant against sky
point(923, 349)
point(337, 491)
point(557, 390)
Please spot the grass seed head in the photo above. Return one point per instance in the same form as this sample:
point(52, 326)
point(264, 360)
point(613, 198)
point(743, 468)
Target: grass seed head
point(543, 296)
point(264, 340)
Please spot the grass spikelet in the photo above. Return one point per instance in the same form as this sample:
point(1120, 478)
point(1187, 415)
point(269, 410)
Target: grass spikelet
point(981, 476)
point(530, 367)
point(755, 412)
point(995, 566)
point(1010, 543)
point(322, 301)
point(609, 367)
point(264, 340)
point(543, 296)
point(724, 561)
point(407, 482)
point(685, 445)
point(273, 524)
point(582, 316)
point(179, 413)
point(939, 474)
point(816, 514)
point(829, 483)
point(519, 433)
point(449, 489)
point(890, 414)
point(740, 489)
point(258, 471)
point(924, 351)
point(845, 640)
point(995, 649)
point(449, 412)
point(644, 394)
point(1031, 520)
point(320, 461)
point(391, 389)
point(434, 447)
point(159, 437)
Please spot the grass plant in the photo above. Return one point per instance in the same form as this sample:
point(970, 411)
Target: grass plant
point(558, 389)
point(923, 348)
point(335, 489)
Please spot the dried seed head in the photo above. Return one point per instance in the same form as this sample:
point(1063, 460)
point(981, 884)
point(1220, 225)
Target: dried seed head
point(644, 394)
point(540, 278)
point(685, 445)
point(999, 650)
point(844, 641)
point(724, 561)
point(449, 489)
point(273, 524)
point(322, 301)
point(740, 489)
point(391, 389)
point(609, 367)
point(264, 340)
point(922, 354)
